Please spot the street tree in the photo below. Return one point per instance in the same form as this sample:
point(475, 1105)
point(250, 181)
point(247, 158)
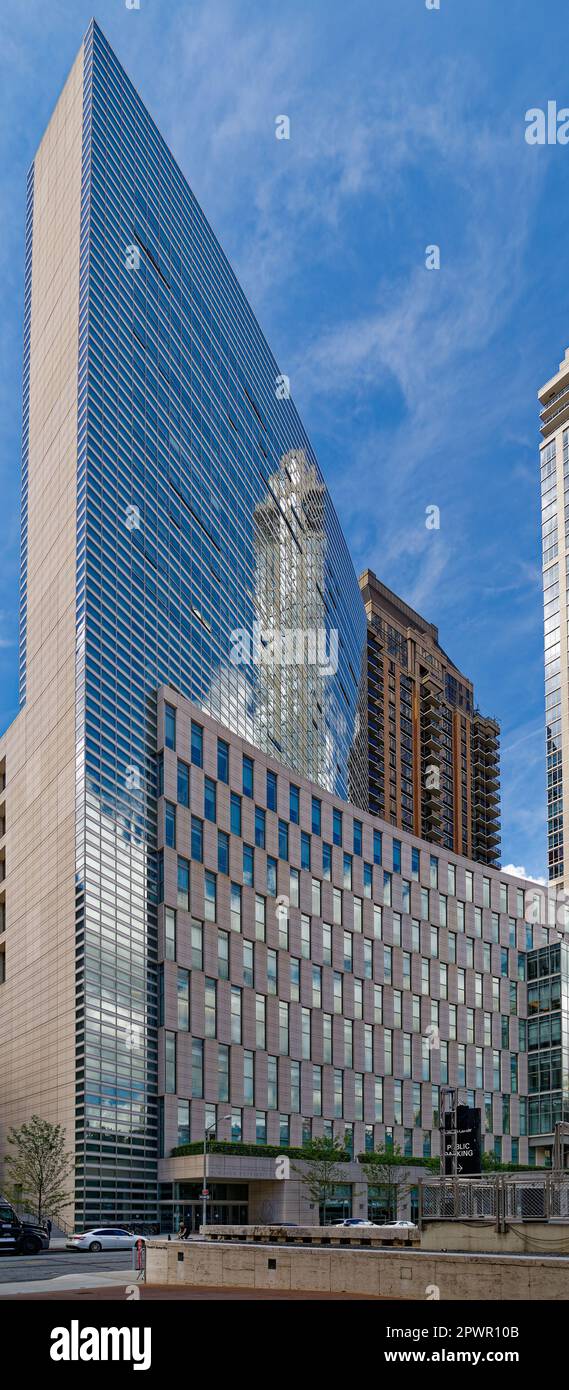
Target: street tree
point(39, 1167)
point(322, 1161)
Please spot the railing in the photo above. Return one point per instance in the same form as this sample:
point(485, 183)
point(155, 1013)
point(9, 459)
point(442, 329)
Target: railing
point(500, 1199)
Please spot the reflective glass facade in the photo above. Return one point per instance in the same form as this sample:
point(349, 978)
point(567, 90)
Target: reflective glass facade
point(204, 528)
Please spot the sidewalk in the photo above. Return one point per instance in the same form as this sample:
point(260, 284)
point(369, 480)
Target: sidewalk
point(88, 1280)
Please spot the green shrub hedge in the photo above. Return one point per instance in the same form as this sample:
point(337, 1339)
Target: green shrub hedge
point(222, 1146)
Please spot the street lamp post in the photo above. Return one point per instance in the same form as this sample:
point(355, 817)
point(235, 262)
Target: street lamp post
point(209, 1129)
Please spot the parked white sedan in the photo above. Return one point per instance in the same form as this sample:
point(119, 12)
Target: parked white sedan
point(104, 1238)
point(400, 1225)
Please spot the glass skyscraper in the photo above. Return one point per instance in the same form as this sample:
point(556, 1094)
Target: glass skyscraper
point(208, 556)
point(554, 475)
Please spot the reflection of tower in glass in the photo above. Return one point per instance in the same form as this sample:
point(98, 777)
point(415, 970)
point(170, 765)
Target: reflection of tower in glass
point(295, 646)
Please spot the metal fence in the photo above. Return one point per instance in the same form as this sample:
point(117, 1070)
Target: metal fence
point(497, 1199)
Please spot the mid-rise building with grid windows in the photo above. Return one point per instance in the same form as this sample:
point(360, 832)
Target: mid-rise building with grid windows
point(323, 973)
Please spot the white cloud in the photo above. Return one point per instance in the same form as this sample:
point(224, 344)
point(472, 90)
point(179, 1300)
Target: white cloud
point(518, 871)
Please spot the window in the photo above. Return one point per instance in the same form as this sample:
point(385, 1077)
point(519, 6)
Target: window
point(283, 840)
point(337, 986)
point(235, 814)
point(210, 800)
point(326, 943)
point(304, 850)
point(260, 1028)
point(183, 1122)
point(183, 884)
point(271, 876)
point(316, 897)
point(387, 888)
point(337, 827)
point(170, 933)
point(210, 897)
point(197, 945)
point(294, 805)
point(248, 866)
point(305, 1033)
point(347, 951)
point(316, 816)
point(222, 761)
point(358, 914)
point(170, 824)
point(248, 965)
point(170, 1063)
point(469, 885)
point(197, 1068)
point(327, 1037)
point(272, 975)
point(183, 996)
point(260, 917)
point(451, 880)
point(249, 1078)
point(397, 856)
point(259, 827)
point(271, 791)
point(272, 1083)
point(169, 726)
point(197, 839)
point(347, 880)
point(235, 1014)
point(222, 1072)
point(197, 744)
point(183, 788)
point(284, 1036)
point(223, 955)
point(337, 906)
point(357, 843)
point(368, 1047)
point(222, 852)
point(235, 914)
point(295, 887)
point(210, 1008)
point(326, 861)
point(358, 999)
point(247, 776)
point(305, 936)
point(377, 846)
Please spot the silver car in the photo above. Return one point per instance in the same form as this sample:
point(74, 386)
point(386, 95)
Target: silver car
point(104, 1238)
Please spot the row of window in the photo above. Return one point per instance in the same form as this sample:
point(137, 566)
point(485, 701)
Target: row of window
point(210, 813)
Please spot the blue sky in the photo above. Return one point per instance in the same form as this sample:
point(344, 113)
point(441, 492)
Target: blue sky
point(417, 388)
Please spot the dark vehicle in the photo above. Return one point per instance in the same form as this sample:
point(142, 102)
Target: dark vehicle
point(20, 1237)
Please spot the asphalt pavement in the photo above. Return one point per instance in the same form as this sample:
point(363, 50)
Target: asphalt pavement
point(52, 1264)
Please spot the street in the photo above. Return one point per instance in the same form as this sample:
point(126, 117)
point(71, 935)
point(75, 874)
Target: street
point(51, 1264)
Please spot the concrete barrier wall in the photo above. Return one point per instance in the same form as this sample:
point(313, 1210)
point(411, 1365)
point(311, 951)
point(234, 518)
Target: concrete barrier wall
point(381, 1274)
point(521, 1237)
